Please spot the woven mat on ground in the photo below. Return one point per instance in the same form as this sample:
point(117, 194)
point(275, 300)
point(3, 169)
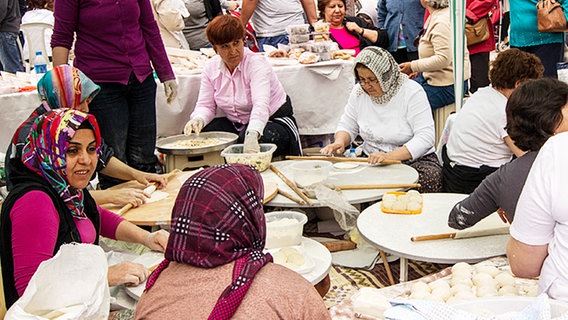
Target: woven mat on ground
point(346, 281)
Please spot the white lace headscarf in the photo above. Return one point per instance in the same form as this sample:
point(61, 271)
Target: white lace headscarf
point(385, 68)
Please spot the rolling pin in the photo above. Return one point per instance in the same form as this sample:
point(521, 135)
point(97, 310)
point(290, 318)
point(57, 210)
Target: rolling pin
point(463, 234)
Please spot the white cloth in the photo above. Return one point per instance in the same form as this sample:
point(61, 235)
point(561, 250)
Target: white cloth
point(542, 214)
point(39, 15)
point(405, 120)
point(271, 17)
point(169, 14)
point(71, 285)
point(478, 131)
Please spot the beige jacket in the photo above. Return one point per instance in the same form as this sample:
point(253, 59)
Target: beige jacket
point(435, 51)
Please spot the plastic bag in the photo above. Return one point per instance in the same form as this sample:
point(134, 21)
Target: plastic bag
point(344, 213)
point(71, 285)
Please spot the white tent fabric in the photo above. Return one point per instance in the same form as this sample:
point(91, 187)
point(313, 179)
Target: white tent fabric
point(457, 19)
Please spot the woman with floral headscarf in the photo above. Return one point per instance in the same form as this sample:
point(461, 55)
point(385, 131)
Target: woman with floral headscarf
point(392, 115)
point(49, 205)
point(214, 266)
point(68, 87)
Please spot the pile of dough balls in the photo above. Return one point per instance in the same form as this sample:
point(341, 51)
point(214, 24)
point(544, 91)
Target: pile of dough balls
point(411, 201)
point(289, 257)
point(468, 282)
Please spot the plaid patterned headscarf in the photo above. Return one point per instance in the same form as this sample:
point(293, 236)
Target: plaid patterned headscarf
point(385, 68)
point(46, 147)
point(218, 218)
point(65, 87)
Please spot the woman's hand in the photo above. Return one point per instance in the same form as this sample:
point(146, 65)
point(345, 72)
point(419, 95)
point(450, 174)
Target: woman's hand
point(157, 241)
point(405, 68)
point(124, 196)
point(146, 178)
point(353, 27)
point(195, 125)
point(128, 273)
point(413, 75)
point(335, 148)
point(377, 157)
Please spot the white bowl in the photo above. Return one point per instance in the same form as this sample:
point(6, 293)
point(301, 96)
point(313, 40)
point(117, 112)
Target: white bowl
point(309, 172)
point(284, 228)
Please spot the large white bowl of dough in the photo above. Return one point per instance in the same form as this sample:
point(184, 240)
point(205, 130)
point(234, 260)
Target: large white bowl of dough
point(284, 228)
point(310, 172)
point(261, 160)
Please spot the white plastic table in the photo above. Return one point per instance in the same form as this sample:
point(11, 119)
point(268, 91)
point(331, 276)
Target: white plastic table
point(392, 233)
point(362, 174)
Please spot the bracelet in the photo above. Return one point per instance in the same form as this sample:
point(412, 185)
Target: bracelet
point(362, 31)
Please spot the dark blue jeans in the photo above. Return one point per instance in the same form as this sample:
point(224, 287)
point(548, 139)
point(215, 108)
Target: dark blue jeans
point(273, 41)
point(439, 96)
point(127, 118)
point(10, 57)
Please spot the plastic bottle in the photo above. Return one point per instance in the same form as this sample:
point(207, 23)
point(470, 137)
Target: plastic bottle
point(352, 153)
point(40, 64)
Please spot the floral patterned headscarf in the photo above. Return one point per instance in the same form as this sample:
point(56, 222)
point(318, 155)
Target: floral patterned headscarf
point(65, 87)
point(46, 148)
point(218, 218)
point(385, 68)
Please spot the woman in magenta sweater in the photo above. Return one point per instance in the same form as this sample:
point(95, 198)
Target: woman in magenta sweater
point(49, 205)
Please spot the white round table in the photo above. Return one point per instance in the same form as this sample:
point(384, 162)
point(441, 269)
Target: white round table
point(392, 233)
point(362, 174)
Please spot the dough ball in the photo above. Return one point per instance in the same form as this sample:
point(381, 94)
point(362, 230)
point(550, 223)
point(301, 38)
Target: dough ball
point(461, 280)
point(295, 259)
point(441, 293)
point(508, 290)
point(488, 291)
point(412, 205)
point(388, 204)
point(279, 257)
point(432, 297)
point(483, 279)
point(420, 295)
point(288, 251)
point(491, 270)
point(453, 300)
point(399, 206)
point(461, 274)
point(389, 197)
point(464, 295)
point(440, 283)
point(402, 198)
point(413, 193)
point(505, 279)
point(459, 288)
point(415, 199)
point(420, 286)
point(532, 291)
point(462, 266)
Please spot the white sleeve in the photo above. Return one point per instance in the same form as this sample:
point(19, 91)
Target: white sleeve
point(419, 116)
point(348, 120)
point(534, 222)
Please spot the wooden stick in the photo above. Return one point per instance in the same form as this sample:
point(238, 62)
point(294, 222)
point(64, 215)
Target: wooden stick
point(291, 185)
point(340, 159)
point(434, 237)
point(291, 197)
point(380, 186)
point(149, 189)
point(387, 266)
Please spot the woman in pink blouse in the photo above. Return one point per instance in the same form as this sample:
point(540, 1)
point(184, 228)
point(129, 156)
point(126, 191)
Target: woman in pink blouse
point(49, 205)
point(242, 85)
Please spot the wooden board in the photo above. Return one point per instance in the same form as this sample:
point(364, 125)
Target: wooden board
point(159, 212)
point(270, 190)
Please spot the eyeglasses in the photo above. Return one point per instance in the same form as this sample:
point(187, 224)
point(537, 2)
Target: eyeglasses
point(365, 82)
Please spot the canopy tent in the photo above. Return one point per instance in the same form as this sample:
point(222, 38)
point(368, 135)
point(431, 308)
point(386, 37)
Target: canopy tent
point(457, 19)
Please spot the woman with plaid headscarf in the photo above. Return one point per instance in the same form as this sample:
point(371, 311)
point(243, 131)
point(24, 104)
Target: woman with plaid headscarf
point(214, 266)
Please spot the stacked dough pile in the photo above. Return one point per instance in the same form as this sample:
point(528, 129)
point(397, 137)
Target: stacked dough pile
point(410, 201)
point(468, 282)
point(289, 257)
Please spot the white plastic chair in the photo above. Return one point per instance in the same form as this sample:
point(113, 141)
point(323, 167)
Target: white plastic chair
point(34, 34)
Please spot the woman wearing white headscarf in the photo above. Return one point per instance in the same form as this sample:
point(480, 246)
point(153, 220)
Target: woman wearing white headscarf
point(392, 115)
